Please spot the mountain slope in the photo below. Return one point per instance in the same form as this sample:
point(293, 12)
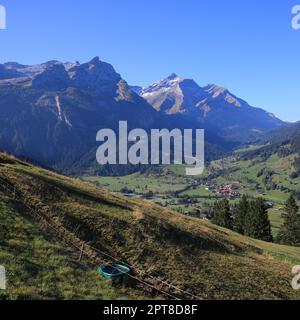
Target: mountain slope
point(205, 260)
point(211, 104)
point(274, 164)
point(284, 143)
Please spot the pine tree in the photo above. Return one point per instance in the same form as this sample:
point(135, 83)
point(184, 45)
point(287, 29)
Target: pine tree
point(222, 214)
point(240, 215)
point(290, 231)
point(258, 224)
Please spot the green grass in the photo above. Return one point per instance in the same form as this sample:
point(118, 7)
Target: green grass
point(140, 184)
point(249, 148)
point(276, 220)
point(194, 255)
point(198, 192)
point(40, 267)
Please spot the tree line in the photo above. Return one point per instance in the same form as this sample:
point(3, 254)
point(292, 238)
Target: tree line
point(250, 218)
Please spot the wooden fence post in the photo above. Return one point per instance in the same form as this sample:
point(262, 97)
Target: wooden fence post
point(81, 252)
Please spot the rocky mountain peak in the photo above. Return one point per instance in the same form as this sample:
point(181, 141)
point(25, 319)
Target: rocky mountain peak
point(54, 77)
point(220, 93)
point(95, 74)
point(172, 76)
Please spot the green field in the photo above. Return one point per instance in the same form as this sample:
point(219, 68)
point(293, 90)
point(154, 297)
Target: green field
point(141, 184)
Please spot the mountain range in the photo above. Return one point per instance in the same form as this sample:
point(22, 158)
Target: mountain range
point(51, 112)
point(233, 117)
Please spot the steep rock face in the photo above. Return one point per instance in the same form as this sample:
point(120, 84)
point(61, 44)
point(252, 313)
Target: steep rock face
point(173, 95)
point(94, 75)
point(223, 95)
point(53, 78)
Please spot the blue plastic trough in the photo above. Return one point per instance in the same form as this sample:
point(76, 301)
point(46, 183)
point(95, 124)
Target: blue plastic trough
point(113, 271)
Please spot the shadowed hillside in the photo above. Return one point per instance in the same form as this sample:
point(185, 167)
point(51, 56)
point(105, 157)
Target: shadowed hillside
point(40, 266)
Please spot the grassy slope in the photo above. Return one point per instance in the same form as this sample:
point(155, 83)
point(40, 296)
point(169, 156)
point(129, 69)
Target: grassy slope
point(209, 261)
point(40, 267)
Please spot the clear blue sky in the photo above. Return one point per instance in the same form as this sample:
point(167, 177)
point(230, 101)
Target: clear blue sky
point(246, 46)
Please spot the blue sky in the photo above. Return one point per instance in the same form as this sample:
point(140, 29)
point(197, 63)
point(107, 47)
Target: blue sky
point(246, 46)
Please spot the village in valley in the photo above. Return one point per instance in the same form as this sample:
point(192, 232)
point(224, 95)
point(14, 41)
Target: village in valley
point(189, 196)
point(227, 191)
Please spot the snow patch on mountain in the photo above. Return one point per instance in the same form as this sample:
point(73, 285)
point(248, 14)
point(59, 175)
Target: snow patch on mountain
point(163, 85)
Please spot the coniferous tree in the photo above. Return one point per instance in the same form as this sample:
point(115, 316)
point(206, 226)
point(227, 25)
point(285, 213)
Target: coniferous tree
point(240, 215)
point(222, 214)
point(249, 222)
point(258, 224)
point(290, 231)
